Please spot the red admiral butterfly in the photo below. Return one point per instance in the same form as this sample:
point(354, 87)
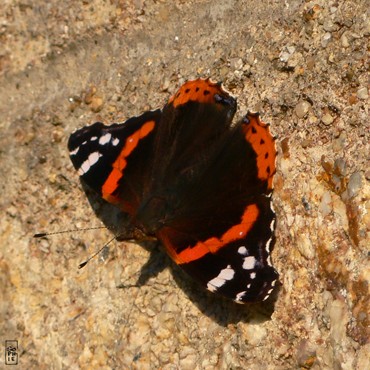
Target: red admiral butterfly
point(198, 183)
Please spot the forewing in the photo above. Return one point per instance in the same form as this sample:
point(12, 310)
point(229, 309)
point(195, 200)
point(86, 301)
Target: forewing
point(112, 159)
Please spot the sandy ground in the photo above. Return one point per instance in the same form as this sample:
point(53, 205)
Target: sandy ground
point(304, 65)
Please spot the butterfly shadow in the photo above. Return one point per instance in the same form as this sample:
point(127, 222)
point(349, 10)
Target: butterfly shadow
point(219, 309)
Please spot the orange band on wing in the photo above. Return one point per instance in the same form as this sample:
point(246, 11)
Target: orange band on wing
point(257, 133)
point(201, 91)
point(212, 245)
point(120, 163)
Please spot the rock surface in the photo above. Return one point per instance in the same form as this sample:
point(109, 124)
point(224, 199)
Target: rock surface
point(303, 65)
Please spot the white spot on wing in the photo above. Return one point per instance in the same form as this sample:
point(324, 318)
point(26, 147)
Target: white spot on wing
point(252, 275)
point(90, 161)
point(93, 138)
point(93, 158)
point(268, 260)
point(270, 290)
point(115, 141)
point(75, 151)
point(105, 139)
point(242, 250)
point(268, 245)
point(240, 295)
point(249, 263)
point(224, 275)
point(84, 168)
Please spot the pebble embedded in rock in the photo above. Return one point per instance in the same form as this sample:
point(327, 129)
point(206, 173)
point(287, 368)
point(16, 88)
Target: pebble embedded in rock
point(89, 94)
point(291, 49)
point(329, 26)
point(325, 40)
point(344, 40)
point(354, 184)
point(97, 104)
point(340, 166)
point(302, 108)
point(236, 64)
point(339, 143)
point(294, 60)
point(284, 56)
point(326, 204)
point(362, 93)
point(327, 119)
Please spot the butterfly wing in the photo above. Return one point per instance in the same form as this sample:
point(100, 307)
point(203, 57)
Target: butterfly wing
point(219, 227)
point(111, 159)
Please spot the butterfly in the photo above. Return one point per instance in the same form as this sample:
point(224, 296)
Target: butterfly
point(199, 183)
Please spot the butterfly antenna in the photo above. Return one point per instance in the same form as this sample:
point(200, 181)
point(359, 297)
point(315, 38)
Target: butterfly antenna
point(42, 235)
point(83, 264)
